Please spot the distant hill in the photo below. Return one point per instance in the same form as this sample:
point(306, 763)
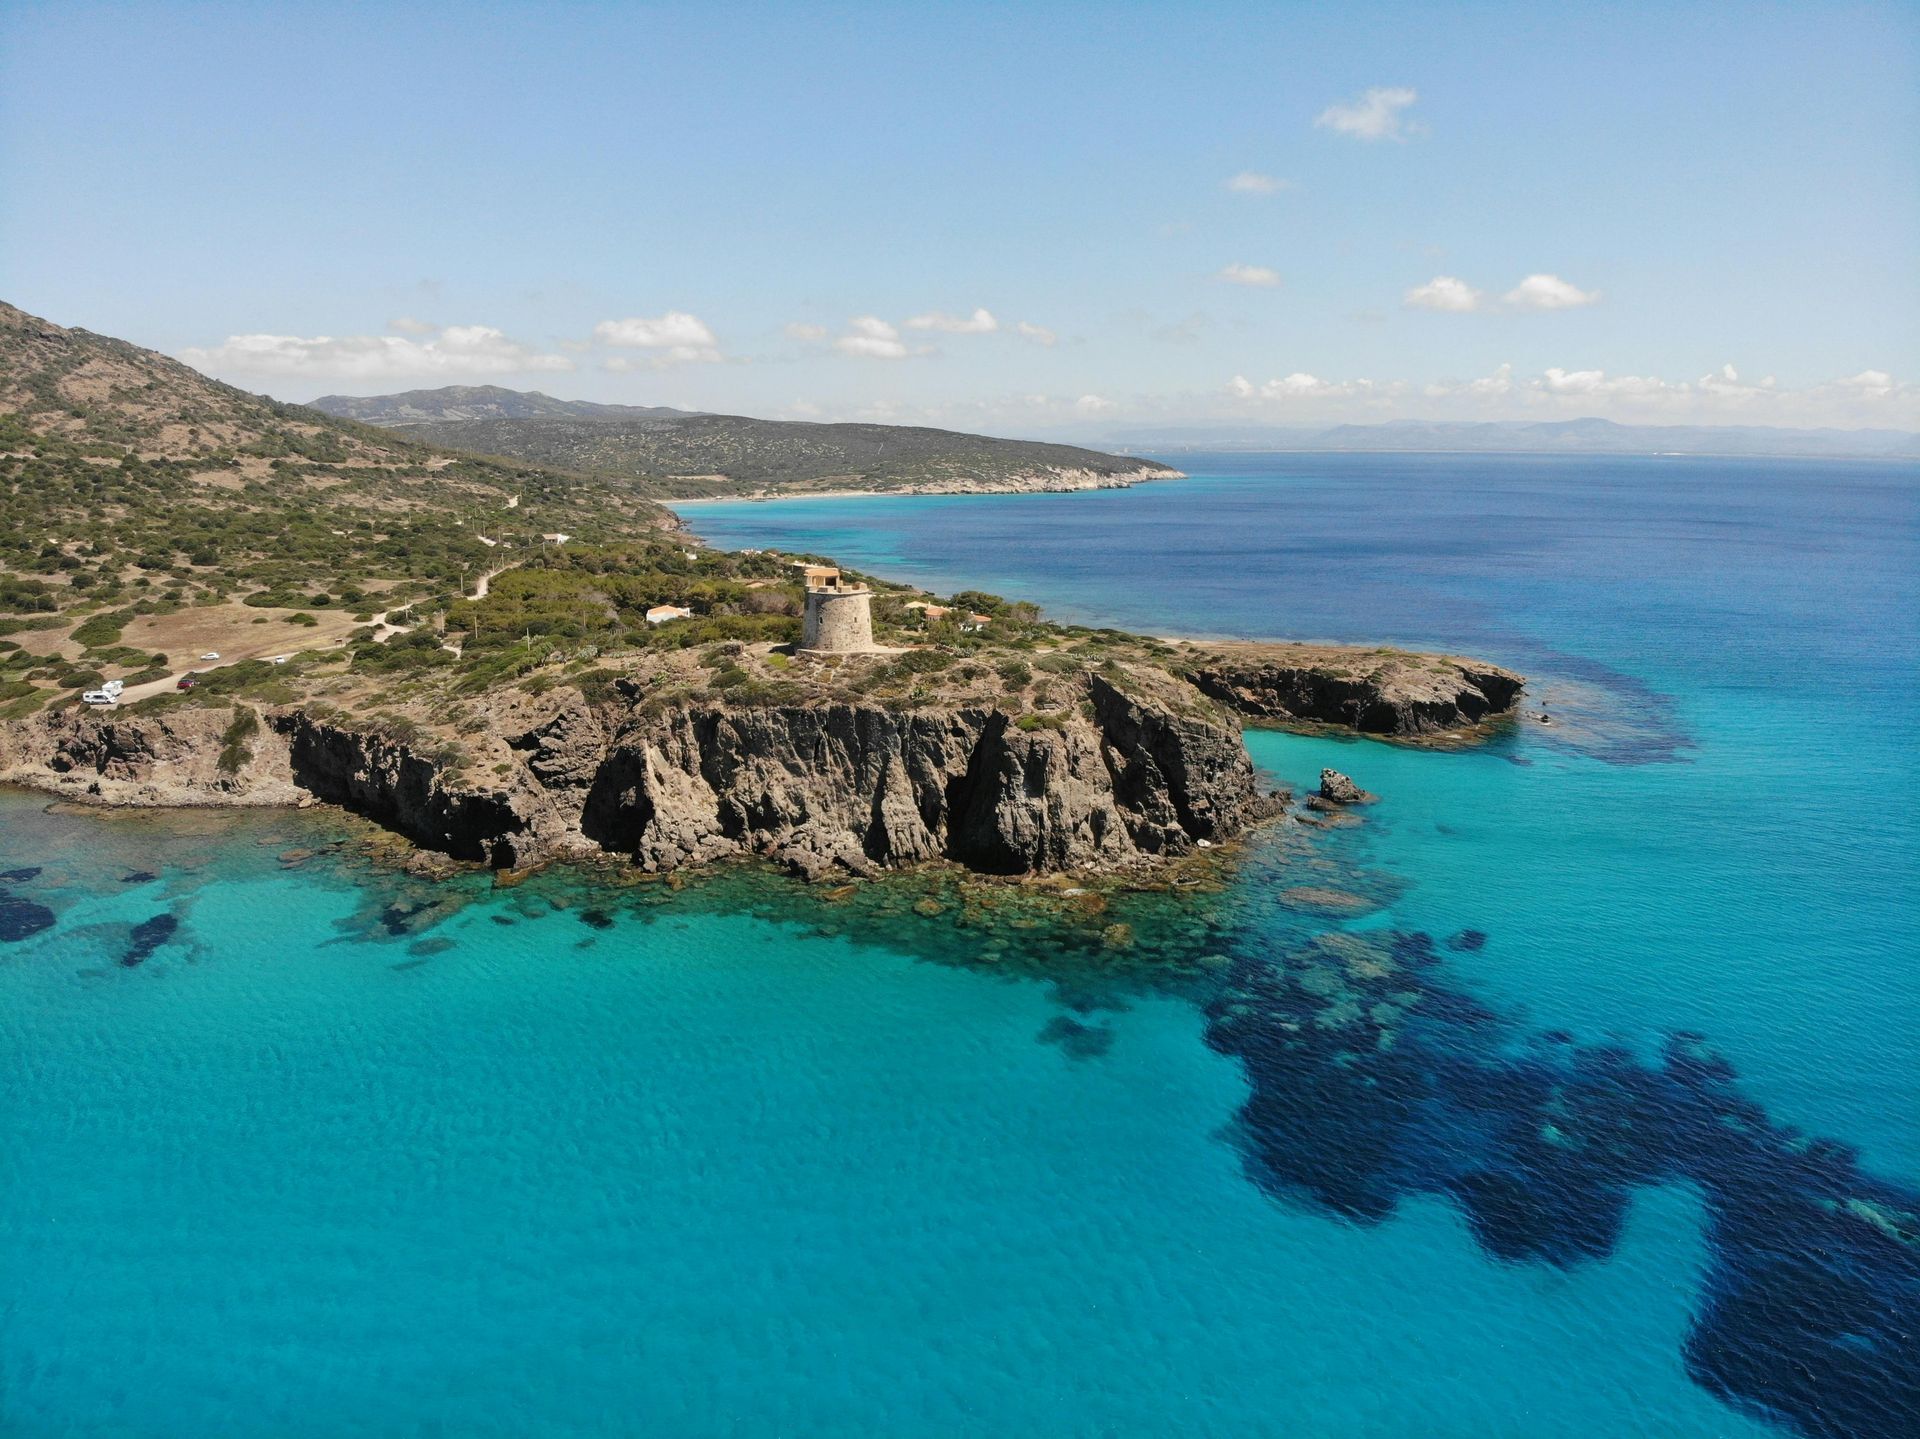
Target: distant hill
point(672, 454)
point(1590, 436)
point(452, 403)
point(131, 482)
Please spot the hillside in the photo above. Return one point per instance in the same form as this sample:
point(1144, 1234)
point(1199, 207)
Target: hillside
point(133, 488)
point(668, 454)
point(452, 403)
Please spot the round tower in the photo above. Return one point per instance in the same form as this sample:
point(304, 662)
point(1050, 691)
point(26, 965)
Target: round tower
point(838, 618)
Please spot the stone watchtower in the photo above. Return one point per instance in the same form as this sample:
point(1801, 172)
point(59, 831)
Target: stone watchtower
point(838, 620)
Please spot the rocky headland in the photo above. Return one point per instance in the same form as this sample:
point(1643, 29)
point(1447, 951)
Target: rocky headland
point(517, 656)
point(1131, 764)
point(1392, 693)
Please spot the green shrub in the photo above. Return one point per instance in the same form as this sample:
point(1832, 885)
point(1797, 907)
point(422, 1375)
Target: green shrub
point(102, 630)
point(234, 752)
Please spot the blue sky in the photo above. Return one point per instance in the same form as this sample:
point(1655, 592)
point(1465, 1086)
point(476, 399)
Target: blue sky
point(1660, 212)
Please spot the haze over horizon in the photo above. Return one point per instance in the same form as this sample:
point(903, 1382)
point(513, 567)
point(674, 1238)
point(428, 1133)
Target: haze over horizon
point(1285, 218)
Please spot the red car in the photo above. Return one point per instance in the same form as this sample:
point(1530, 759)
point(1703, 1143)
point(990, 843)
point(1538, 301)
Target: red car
point(187, 682)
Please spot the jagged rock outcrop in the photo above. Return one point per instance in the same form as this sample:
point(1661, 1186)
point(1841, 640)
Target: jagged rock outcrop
point(1337, 788)
point(1129, 765)
point(390, 782)
point(865, 787)
point(1375, 692)
point(172, 757)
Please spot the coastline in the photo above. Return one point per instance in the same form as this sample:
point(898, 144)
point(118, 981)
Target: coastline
point(1125, 768)
point(1058, 485)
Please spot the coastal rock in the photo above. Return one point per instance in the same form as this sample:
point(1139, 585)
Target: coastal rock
point(1375, 692)
point(169, 757)
point(387, 781)
point(564, 750)
point(1120, 766)
point(1338, 789)
point(1136, 770)
point(860, 788)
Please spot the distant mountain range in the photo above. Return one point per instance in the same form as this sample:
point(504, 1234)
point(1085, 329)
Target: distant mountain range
point(1573, 437)
point(453, 403)
point(677, 454)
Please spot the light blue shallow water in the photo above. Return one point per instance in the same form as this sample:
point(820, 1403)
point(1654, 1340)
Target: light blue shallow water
point(1720, 835)
point(704, 1171)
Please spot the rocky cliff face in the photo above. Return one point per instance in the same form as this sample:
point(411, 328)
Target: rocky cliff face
point(392, 783)
point(1132, 774)
point(1400, 695)
point(865, 787)
point(169, 758)
point(1133, 766)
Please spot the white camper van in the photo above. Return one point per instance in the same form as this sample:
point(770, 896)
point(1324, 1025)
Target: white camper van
point(107, 694)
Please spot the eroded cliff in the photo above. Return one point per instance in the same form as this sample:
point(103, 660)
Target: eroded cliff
point(1135, 771)
point(1378, 692)
point(1128, 764)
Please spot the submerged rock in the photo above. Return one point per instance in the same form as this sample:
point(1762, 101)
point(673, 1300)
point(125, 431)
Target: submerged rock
point(148, 936)
point(20, 918)
point(1318, 899)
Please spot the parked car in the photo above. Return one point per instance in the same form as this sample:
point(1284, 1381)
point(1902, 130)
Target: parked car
point(279, 659)
point(107, 694)
point(211, 655)
point(187, 682)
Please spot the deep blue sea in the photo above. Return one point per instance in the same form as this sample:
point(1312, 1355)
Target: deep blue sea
point(1601, 1117)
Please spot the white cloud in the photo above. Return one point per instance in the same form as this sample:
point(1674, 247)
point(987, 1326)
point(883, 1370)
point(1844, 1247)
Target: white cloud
point(1444, 293)
point(980, 322)
point(872, 338)
point(1549, 292)
point(1258, 276)
point(675, 338)
point(1376, 115)
point(809, 333)
point(1872, 384)
point(1870, 397)
point(1039, 334)
point(453, 352)
point(1094, 405)
point(1298, 386)
point(1252, 182)
point(407, 325)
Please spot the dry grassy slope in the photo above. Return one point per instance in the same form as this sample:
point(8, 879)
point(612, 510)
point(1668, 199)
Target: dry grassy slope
point(84, 387)
point(100, 436)
point(131, 485)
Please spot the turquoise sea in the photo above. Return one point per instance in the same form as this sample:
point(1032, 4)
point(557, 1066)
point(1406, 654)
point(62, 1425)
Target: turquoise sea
point(1603, 1119)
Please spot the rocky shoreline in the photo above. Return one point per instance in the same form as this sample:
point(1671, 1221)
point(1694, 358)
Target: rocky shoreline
point(1145, 765)
point(1391, 694)
point(1039, 482)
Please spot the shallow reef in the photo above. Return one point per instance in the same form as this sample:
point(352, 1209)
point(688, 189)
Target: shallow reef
point(1372, 1079)
point(1373, 1075)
